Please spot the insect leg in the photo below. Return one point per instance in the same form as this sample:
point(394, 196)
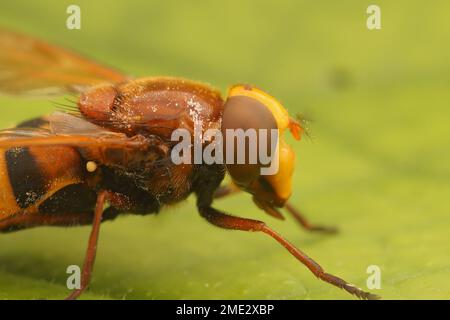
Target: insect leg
point(92, 246)
point(226, 221)
point(231, 189)
point(304, 222)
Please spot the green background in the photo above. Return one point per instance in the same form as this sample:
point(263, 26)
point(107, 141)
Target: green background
point(377, 166)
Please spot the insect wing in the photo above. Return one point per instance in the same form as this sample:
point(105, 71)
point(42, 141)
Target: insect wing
point(66, 130)
point(29, 66)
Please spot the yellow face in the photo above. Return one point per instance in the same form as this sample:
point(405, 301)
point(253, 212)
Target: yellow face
point(281, 182)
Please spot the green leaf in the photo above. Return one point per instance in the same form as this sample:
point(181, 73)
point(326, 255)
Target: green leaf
point(377, 166)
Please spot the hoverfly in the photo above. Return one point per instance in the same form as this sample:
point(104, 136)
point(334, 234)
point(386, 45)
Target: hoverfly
point(114, 148)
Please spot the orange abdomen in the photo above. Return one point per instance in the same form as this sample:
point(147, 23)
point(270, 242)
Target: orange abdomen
point(30, 176)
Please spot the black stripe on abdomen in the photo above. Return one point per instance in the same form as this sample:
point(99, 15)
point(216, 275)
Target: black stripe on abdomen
point(75, 198)
point(26, 179)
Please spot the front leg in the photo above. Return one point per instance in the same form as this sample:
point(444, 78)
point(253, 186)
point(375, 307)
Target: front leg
point(304, 222)
point(226, 221)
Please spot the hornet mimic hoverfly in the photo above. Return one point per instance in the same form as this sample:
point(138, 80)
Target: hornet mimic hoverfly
point(115, 147)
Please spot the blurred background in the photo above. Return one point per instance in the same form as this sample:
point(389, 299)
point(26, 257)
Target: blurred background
point(377, 165)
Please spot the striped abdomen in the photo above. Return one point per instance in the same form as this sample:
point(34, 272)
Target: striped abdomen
point(38, 180)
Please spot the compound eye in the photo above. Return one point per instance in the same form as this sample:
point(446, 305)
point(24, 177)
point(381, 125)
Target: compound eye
point(242, 121)
point(97, 103)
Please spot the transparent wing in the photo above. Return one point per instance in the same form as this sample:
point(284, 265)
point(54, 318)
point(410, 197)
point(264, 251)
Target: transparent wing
point(29, 66)
point(68, 130)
